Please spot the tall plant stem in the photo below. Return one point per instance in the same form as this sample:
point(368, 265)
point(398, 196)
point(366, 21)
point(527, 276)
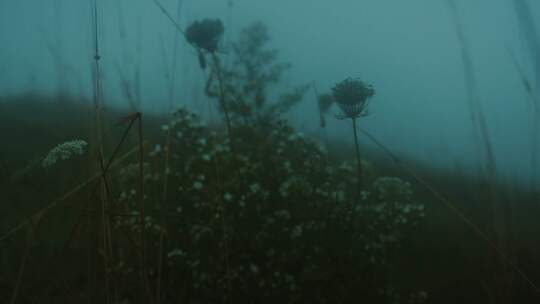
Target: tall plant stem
point(528, 29)
point(142, 216)
point(93, 240)
point(172, 87)
point(358, 161)
point(222, 99)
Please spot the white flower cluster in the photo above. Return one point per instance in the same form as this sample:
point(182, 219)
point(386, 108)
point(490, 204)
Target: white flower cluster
point(133, 222)
point(64, 151)
point(391, 187)
point(176, 253)
point(182, 116)
point(295, 185)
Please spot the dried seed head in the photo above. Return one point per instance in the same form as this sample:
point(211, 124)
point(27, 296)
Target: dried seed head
point(205, 34)
point(352, 96)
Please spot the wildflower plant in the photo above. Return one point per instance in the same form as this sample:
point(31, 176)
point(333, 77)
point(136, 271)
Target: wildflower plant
point(265, 221)
point(353, 96)
point(254, 70)
point(205, 36)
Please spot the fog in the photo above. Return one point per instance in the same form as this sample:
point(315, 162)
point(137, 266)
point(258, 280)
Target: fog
point(408, 50)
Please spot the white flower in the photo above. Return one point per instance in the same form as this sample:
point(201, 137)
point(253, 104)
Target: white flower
point(296, 232)
point(165, 128)
point(64, 151)
point(197, 185)
point(157, 150)
point(364, 195)
point(227, 197)
point(202, 141)
point(206, 157)
point(254, 188)
point(253, 268)
point(175, 252)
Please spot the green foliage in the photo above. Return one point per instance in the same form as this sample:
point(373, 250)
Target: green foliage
point(247, 81)
point(270, 222)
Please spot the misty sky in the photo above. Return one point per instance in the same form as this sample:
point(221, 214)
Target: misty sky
point(408, 50)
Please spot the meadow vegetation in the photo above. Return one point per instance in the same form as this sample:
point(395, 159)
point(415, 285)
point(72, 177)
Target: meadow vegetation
point(262, 213)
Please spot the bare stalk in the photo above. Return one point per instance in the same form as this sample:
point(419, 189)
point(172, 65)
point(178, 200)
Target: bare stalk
point(93, 233)
point(22, 267)
point(358, 160)
point(142, 217)
point(528, 28)
point(222, 97)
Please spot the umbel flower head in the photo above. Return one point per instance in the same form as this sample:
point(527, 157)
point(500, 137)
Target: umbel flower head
point(64, 151)
point(352, 96)
point(205, 34)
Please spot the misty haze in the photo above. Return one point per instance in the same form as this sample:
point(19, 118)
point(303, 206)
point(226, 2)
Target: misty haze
point(249, 151)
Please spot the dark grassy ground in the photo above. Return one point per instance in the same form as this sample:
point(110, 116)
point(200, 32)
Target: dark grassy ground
point(447, 258)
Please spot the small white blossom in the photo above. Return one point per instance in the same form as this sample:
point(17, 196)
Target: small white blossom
point(296, 232)
point(156, 151)
point(254, 188)
point(206, 157)
point(175, 252)
point(202, 141)
point(364, 195)
point(197, 185)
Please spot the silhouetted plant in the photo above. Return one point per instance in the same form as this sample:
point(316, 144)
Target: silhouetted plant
point(352, 96)
point(325, 102)
point(285, 234)
point(247, 81)
point(205, 36)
